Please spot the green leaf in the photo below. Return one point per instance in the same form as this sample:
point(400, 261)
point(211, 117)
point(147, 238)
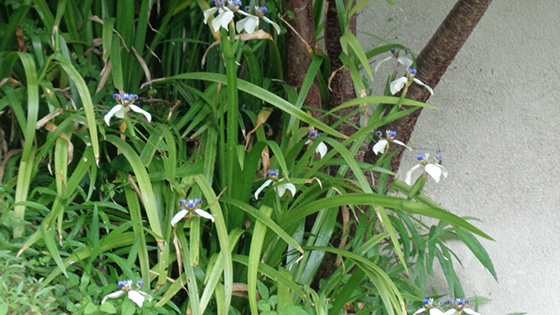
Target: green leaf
point(90, 308)
point(478, 250)
point(257, 239)
point(264, 95)
point(86, 102)
point(108, 308)
point(144, 184)
point(348, 39)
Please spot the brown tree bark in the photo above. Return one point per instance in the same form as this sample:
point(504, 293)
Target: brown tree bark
point(299, 46)
point(432, 63)
point(341, 84)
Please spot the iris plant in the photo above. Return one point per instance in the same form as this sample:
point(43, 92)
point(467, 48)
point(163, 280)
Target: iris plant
point(399, 83)
point(135, 296)
point(251, 22)
point(383, 143)
point(225, 9)
point(395, 54)
point(125, 101)
point(460, 306)
point(188, 208)
point(280, 187)
point(435, 170)
point(321, 147)
point(429, 308)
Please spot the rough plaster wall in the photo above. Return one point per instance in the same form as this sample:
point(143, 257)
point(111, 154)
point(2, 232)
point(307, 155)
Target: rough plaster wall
point(497, 129)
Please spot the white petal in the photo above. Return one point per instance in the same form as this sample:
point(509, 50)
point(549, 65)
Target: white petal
point(401, 143)
point(204, 214)
point(435, 311)
point(146, 295)
point(276, 27)
point(113, 112)
point(240, 25)
point(382, 62)
point(424, 85)
point(208, 13)
point(141, 111)
point(407, 62)
point(114, 295)
point(243, 13)
point(419, 311)
point(380, 146)
point(178, 217)
point(469, 311)
point(434, 171)
point(223, 19)
point(321, 149)
point(443, 170)
point(397, 85)
point(263, 186)
point(249, 24)
point(136, 297)
point(408, 179)
point(450, 312)
point(281, 189)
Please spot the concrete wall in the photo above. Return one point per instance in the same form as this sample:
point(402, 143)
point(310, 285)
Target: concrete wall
point(497, 129)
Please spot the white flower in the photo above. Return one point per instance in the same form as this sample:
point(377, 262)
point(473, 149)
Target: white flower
point(399, 83)
point(225, 9)
point(460, 306)
point(406, 62)
point(321, 147)
point(280, 188)
point(135, 296)
point(428, 307)
point(125, 101)
point(383, 143)
point(435, 170)
point(190, 207)
point(251, 22)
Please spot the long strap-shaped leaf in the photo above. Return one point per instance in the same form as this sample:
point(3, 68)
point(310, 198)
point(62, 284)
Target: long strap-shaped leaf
point(306, 209)
point(144, 184)
point(264, 95)
point(25, 168)
point(86, 102)
point(223, 237)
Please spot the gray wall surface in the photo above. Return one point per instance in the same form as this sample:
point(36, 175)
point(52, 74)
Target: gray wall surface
point(497, 129)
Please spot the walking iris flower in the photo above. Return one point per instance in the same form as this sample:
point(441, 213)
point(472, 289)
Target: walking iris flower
point(399, 83)
point(321, 147)
point(125, 101)
point(251, 22)
point(406, 62)
point(225, 9)
point(460, 306)
point(188, 208)
point(429, 308)
point(280, 187)
point(383, 143)
point(435, 170)
point(135, 296)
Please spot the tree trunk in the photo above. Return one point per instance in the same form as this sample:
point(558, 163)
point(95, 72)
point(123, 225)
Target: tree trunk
point(299, 56)
point(341, 85)
point(432, 63)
